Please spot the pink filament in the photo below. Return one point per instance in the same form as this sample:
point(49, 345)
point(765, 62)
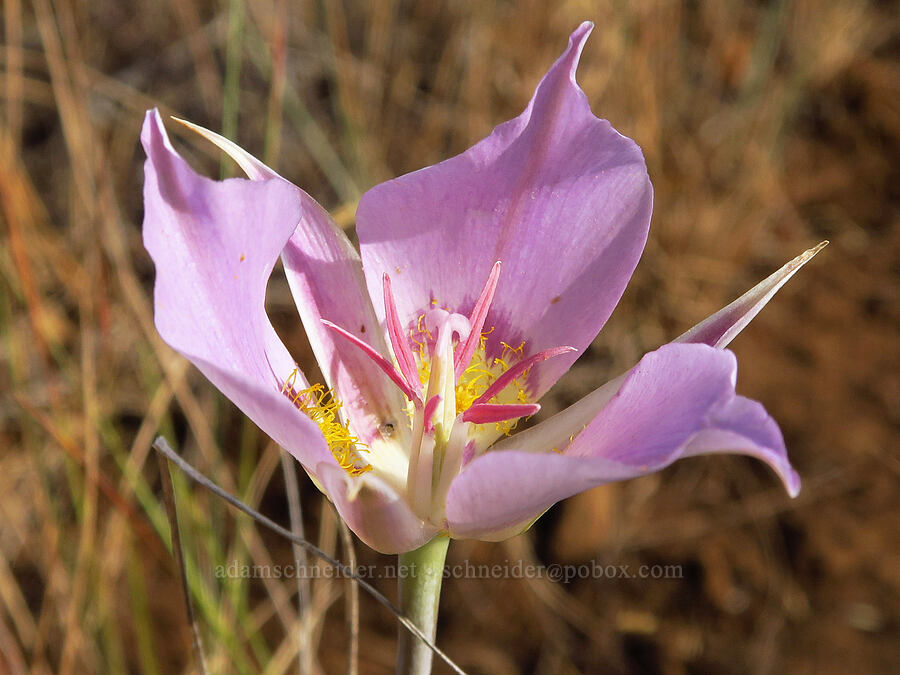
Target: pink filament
point(379, 360)
point(479, 314)
point(399, 342)
point(430, 407)
point(517, 369)
point(484, 413)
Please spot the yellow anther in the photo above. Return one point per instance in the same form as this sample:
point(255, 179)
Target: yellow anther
point(480, 374)
point(518, 351)
point(320, 405)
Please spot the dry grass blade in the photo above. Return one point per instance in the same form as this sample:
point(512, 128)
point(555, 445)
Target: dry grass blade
point(11, 659)
point(765, 126)
point(178, 554)
point(295, 510)
point(114, 495)
point(17, 198)
point(162, 446)
point(352, 603)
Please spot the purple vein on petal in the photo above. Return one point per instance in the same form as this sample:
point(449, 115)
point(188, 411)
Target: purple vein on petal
point(555, 178)
point(545, 108)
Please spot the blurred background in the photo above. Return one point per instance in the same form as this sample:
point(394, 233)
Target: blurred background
point(767, 127)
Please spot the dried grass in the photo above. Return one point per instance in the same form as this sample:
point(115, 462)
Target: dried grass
point(767, 127)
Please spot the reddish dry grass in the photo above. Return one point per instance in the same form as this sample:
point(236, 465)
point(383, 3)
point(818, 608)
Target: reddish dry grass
point(766, 129)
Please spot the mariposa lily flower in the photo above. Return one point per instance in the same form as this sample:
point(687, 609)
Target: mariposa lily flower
point(478, 283)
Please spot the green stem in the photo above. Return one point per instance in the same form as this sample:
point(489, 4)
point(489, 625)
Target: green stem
point(419, 576)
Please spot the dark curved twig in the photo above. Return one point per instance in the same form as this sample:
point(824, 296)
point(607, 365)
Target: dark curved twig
point(177, 553)
point(162, 446)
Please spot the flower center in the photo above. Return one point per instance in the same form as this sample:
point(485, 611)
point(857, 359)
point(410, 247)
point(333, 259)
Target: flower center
point(454, 390)
point(480, 373)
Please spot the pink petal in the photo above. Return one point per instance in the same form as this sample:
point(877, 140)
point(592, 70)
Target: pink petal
point(214, 245)
point(500, 493)
point(729, 428)
point(723, 326)
point(557, 431)
point(374, 511)
point(717, 330)
point(554, 182)
point(678, 401)
point(326, 279)
point(325, 275)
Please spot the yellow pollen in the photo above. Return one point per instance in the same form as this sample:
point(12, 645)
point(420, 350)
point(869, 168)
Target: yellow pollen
point(320, 405)
point(479, 374)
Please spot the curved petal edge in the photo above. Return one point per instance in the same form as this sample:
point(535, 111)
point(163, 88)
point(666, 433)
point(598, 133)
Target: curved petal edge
point(374, 511)
point(214, 245)
point(678, 401)
point(555, 179)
